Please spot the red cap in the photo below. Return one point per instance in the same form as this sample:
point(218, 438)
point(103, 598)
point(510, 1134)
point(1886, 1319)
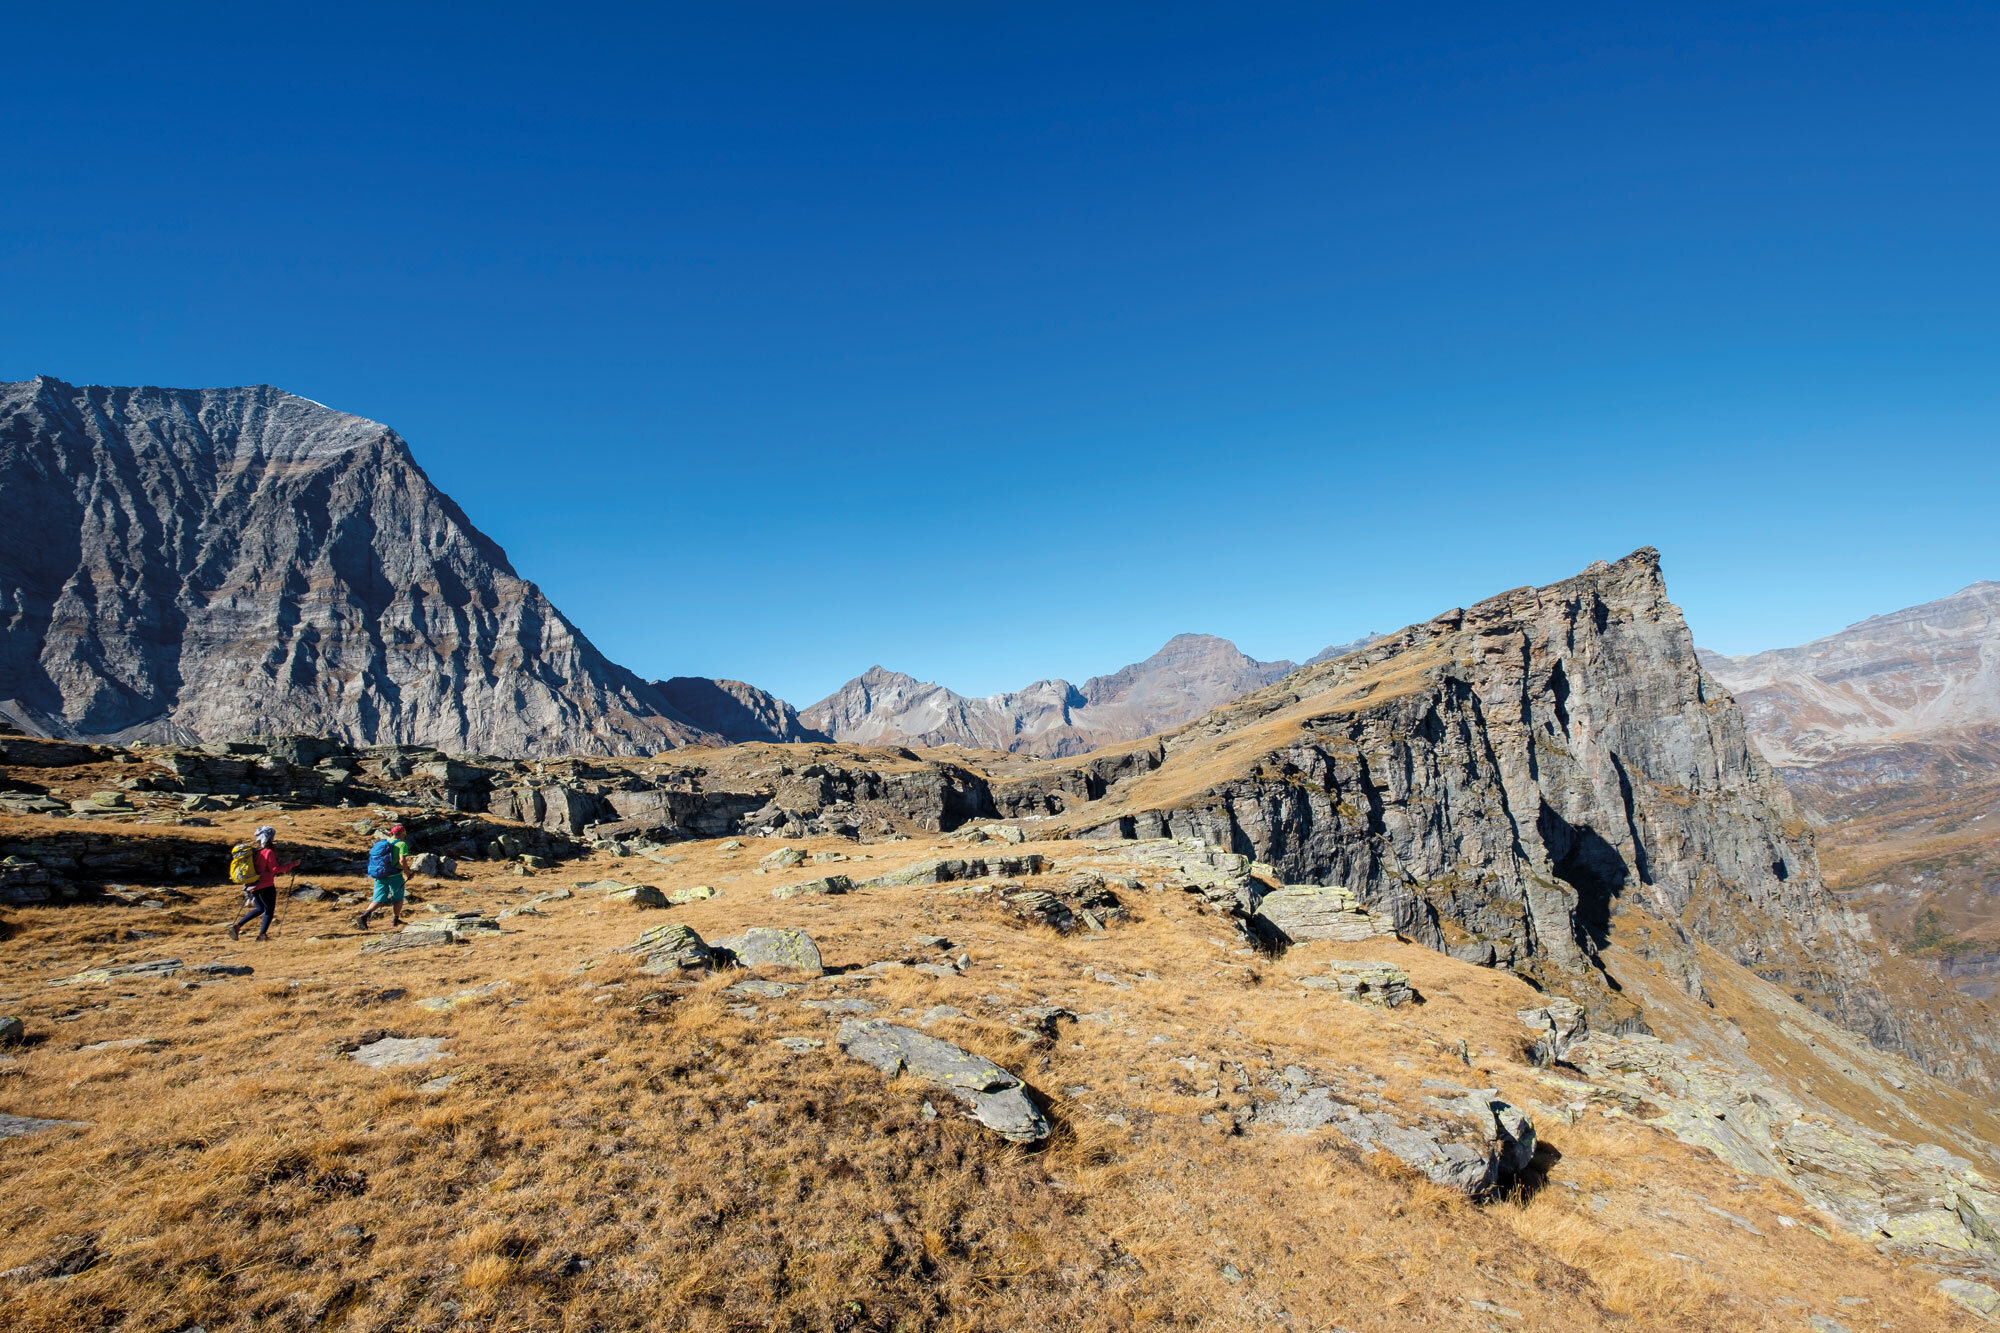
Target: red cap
point(395, 828)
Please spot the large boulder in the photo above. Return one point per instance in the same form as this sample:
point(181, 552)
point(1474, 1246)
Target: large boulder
point(1365, 982)
point(772, 946)
point(996, 1098)
point(1298, 913)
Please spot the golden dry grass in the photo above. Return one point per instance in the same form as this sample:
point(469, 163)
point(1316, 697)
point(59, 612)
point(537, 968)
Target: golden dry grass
point(618, 1152)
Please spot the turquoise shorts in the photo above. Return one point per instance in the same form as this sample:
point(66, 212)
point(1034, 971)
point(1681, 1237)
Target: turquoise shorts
point(389, 890)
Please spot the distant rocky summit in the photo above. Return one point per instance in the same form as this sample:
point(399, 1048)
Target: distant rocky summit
point(1053, 718)
point(210, 564)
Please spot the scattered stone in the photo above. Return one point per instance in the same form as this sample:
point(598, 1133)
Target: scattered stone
point(997, 1099)
point(313, 893)
point(800, 1045)
point(694, 893)
point(732, 845)
point(12, 1031)
point(782, 859)
point(930, 941)
point(941, 971)
point(396, 1052)
point(122, 1044)
point(603, 886)
point(1820, 1323)
point(1366, 983)
point(438, 1084)
point(1004, 833)
point(946, 869)
point(939, 1012)
point(813, 888)
point(774, 946)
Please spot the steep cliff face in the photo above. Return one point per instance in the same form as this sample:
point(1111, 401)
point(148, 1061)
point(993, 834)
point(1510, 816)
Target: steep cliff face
point(210, 564)
point(1191, 674)
point(1505, 782)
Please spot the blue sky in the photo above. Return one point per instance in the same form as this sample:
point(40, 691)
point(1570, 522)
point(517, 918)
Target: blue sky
point(992, 342)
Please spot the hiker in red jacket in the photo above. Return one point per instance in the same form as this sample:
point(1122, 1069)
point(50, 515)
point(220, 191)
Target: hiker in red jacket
point(262, 897)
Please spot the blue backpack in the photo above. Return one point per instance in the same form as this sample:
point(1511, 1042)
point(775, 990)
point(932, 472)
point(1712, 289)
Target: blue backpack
point(382, 860)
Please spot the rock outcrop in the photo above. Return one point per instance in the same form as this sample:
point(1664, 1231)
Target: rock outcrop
point(214, 564)
point(1501, 782)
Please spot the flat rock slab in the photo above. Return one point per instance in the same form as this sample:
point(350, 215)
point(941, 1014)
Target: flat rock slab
point(997, 1099)
point(843, 1006)
point(774, 946)
point(1366, 983)
point(410, 939)
point(15, 1126)
point(396, 1052)
point(159, 967)
point(693, 893)
point(444, 1004)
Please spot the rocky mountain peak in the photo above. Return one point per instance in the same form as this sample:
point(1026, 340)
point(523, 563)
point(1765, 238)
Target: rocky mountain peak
point(217, 563)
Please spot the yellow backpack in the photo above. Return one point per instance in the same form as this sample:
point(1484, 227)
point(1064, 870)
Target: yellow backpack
point(243, 863)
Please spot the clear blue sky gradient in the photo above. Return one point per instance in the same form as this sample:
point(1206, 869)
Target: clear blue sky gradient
point(993, 342)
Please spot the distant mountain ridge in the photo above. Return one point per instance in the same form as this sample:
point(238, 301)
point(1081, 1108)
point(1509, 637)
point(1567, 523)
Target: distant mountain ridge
point(1925, 669)
point(207, 564)
point(1190, 675)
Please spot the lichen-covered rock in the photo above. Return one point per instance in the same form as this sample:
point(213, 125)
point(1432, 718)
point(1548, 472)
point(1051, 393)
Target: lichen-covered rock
point(692, 893)
point(773, 946)
point(996, 1098)
point(12, 1031)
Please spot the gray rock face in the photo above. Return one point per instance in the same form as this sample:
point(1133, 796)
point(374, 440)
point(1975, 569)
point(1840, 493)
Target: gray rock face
point(219, 563)
point(995, 1097)
point(1190, 675)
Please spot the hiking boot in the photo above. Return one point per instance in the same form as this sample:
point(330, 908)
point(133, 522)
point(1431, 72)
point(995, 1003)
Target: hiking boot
point(235, 932)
